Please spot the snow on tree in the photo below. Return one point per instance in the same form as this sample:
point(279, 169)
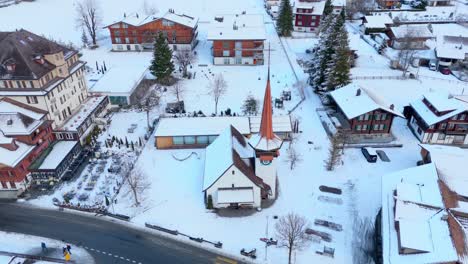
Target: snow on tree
point(178, 91)
point(290, 230)
point(149, 8)
point(89, 17)
point(137, 182)
point(250, 106)
point(184, 57)
point(406, 53)
point(328, 9)
point(217, 88)
point(324, 53)
point(84, 38)
point(334, 151)
point(285, 19)
point(162, 65)
point(338, 72)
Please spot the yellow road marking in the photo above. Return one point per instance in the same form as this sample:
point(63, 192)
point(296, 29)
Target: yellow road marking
point(223, 260)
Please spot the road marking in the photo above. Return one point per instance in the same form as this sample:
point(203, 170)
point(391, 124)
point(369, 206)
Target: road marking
point(223, 260)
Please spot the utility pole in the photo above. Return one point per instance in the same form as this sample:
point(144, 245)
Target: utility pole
point(266, 236)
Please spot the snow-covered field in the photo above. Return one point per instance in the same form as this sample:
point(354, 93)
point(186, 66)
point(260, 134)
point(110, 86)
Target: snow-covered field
point(175, 198)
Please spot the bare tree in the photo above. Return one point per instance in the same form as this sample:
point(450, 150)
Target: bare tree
point(406, 50)
point(178, 90)
point(300, 86)
point(184, 57)
point(89, 17)
point(137, 183)
point(334, 152)
point(290, 231)
point(149, 8)
point(293, 157)
point(217, 89)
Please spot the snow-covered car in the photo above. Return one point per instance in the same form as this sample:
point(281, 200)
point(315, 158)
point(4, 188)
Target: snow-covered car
point(369, 154)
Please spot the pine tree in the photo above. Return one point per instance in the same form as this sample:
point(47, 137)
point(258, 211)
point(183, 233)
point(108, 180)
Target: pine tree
point(133, 146)
point(324, 54)
point(162, 65)
point(328, 8)
point(285, 19)
point(250, 106)
point(209, 203)
point(126, 142)
point(139, 141)
point(338, 75)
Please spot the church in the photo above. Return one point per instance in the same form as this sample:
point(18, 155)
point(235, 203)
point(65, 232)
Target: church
point(240, 172)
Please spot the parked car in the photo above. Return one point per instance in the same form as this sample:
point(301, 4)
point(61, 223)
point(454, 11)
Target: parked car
point(445, 70)
point(433, 65)
point(369, 154)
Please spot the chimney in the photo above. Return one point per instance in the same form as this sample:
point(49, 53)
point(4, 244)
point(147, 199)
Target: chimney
point(392, 107)
point(9, 122)
point(358, 92)
point(39, 59)
point(137, 15)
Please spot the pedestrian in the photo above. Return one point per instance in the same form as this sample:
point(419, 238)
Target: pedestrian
point(69, 249)
point(64, 249)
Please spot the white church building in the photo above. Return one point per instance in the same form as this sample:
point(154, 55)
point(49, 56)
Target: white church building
point(241, 172)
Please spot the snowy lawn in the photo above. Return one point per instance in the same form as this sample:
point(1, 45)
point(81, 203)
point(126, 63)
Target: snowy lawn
point(31, 245)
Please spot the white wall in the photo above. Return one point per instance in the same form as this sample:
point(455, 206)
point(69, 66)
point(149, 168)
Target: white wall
point(232, 61)
point(239, 180)
point(268, 173)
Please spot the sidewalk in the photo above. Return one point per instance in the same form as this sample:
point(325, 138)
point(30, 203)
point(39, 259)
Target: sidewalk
point(24, 245)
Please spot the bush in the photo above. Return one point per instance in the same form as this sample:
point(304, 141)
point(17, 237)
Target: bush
point(209, 203)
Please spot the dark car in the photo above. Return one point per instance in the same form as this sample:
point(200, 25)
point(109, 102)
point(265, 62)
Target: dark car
point(445, 70)
point(370, 155)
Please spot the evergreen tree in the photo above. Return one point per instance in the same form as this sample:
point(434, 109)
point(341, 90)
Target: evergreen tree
point(209, 203)
point(133, 146)
point(126, 142)
point(285, 19)
point(162, 65)
point(324, 53)
point(328, 9)
point(139, 141)
point(250, 106)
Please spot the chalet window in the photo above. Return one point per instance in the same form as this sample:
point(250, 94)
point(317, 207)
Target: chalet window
point(431, 126)
point(13, 185)
point(312, 24)
point(358, 127)
point(134, 32)
point(366, 117)
point(227, 61)
point(441, 136)
point(202, 140)
point(462, 117)
point(31, 83)
point(382, 127)
point(211, 138)
point(384, 117)
point(299, 16)
point(127, 40)
point(118, 40)
point(69, 135)
point(119, 47)
point(225, 45)
point(125, 26)
point(189, 140)
point(226, 53)
point(377, 117)
point(167, 23)
point(10, 173)
point(454, 117)
point(59, 136)
point(135, 40)
point(117, 33)
point(31, 99)
point(364, 127)
point(18, 84)
point(299, 23)
point(443, 126)
point(4, 185)
point(178, 140)
point(451, 126)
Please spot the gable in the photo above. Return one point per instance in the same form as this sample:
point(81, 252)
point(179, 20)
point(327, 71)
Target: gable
point(228, 178)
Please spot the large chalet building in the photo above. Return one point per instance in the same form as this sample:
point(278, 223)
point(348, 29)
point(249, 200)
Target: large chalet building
point(307, 15)
point(46, 75)
point(136, 33)
point(41, 73)
point(438, 118)
point(24, 134)
point(238, 39)
point(362, 113)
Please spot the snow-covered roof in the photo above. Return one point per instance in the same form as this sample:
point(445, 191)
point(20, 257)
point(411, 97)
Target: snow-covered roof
point(280, 124)
point(259, 142)
point(316, 6)
point(195, 126)
point(354, 105)
point(136, 19)
point(11, 158)
point(378, 21)
point(411, 31)
point(451, 40)
point(59, 151)
point(17, 120)
point(7, 107)
point(119, 80)
point(87, 108)
point(449, 162)
point(442, 103)
point(422, 224)
point(354, 40)
point(235, 196)
point(229, 148)
point(338, 3)
point(182, 19)
point(237, 27)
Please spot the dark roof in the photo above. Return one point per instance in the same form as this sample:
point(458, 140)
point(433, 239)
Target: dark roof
point(21, 47)
point(248, 171)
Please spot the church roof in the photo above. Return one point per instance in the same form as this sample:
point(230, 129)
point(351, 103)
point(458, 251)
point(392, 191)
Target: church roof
point(266, 140)
point(229, 149)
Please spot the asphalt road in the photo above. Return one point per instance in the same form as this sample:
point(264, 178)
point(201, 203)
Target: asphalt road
point(104, 239)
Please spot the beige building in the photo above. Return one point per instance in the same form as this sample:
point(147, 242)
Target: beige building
point(43, 74)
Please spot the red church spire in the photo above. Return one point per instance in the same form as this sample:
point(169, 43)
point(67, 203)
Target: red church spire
point(266, 125)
